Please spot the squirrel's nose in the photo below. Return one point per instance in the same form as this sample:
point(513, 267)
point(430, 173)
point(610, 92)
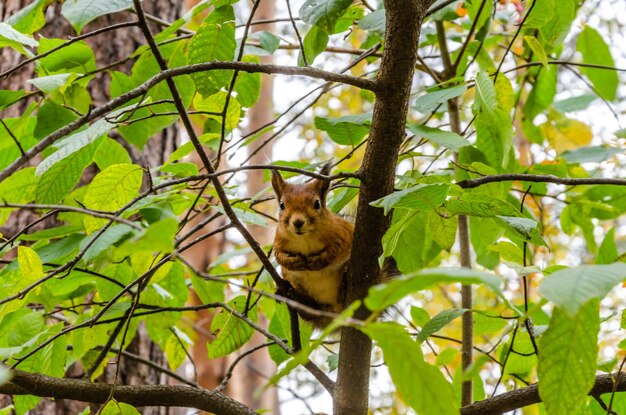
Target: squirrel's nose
point(298, 223)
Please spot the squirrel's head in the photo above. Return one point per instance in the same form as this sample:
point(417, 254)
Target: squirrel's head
point(301, 205)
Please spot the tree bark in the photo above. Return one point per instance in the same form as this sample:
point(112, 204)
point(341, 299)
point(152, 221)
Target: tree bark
point(393, 87)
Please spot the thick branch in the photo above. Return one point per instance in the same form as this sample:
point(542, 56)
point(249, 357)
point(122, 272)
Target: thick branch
point(538, 178)
point(529, 395)
point(153, 395)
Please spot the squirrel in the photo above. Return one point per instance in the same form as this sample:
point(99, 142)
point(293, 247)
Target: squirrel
point(312, 245)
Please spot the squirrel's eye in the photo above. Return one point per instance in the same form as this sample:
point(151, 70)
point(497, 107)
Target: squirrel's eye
point(282, 205)
point(317, 205)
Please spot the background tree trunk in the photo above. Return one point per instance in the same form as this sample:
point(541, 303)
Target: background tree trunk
point(108, 47)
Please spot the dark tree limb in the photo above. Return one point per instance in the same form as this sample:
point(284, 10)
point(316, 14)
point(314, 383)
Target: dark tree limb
point(377, 173)
point(24, 383)
point(529, 395)
point(538, 178)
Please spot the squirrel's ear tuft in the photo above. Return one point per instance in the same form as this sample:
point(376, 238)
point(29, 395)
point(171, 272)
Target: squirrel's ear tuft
point(278, 183)
point(322, 186)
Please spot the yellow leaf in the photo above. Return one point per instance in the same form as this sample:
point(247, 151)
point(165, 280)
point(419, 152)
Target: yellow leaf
point(29, 263)
point(566, 134)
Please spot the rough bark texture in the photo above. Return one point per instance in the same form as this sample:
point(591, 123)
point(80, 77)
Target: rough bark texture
point(251, 373)
point(404, 19)
point(160, 395)
point(108, 47)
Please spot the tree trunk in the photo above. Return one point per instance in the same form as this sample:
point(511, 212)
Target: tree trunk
point(404, 19)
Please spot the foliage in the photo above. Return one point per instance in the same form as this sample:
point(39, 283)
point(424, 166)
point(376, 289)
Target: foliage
point(112, 256)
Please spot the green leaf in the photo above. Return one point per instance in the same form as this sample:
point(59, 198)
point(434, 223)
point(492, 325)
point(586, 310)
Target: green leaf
point(567, 359)
point(505, 94)
point(215, 104)
point(576, 103)
point(438, 322)
point(77, 57)
point(481, 205)
point(31, 18)
point(621, 133)
point(595, 51)
point(485, 15)
point(421, 385)
point(419, 315)
point(442, 230)
point(553, 32)
point(447, 139)
point(522, 228)
point(50, 117)
point(231, 332)
point(159, 237)
point(213, 41)
point(509, 252)
point(420, 197)
point(81, 12)
point(180, 169)
point(53, 83)
point(106, 240)
point(62, 170)
point(494, 136)
point(431, 100)
point(542, 94)
point(174, 351)
point(267, 40)
point(607, 253)
point(570, 288)
point(323, 13)
point(382, 296)
point(8, 98)
point(280, 325)
point(374, 22)
point(114, 407)
point(74, 143)
point(542, 12)
point(314, 43)
point(19, 187)
point(345, 130)
point(537, 49)
point(111, 189)
point(594, 154)
point(248, 85)
point(485, 94)
point(110, 152)
point(14, 39)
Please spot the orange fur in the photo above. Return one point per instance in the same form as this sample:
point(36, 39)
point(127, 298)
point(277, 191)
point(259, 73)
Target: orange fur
point(312, 244)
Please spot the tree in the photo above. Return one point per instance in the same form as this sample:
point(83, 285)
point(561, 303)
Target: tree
point(464, 157)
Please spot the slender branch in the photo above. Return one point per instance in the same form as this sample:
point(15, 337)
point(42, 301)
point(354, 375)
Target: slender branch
point(510, 45)
point(168, 74)
point(229, 372)
point(469, 36)
point(538, 178)
point(13, 137)
point(67, 208)
point(295, 28)
point(565, 62)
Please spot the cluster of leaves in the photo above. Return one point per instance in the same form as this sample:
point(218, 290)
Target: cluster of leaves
point(113, 261)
